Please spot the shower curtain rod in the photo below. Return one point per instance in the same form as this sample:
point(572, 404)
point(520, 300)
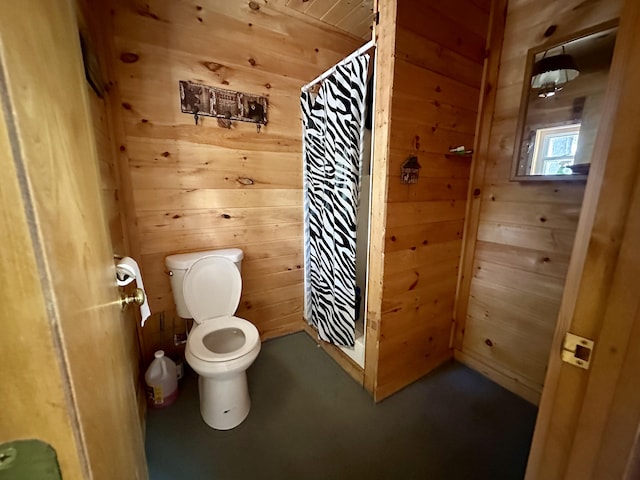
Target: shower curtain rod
point(367, 46)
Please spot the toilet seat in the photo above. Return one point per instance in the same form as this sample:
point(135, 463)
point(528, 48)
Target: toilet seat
point(212, 288)
point(196, 338)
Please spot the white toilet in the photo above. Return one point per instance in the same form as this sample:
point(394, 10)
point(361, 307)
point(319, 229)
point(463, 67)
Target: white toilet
point(220, 347)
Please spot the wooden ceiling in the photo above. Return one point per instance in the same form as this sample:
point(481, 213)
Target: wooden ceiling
point(352, 16)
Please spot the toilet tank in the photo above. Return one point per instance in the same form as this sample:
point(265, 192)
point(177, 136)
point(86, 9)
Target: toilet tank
point(179, 263)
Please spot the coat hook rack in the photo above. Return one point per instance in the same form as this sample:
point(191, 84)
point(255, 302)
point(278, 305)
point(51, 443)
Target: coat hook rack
point(225, 120)
point(195, 114)
point(225, 105)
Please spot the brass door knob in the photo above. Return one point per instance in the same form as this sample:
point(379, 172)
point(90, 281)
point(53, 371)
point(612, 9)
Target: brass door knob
point(136, 297)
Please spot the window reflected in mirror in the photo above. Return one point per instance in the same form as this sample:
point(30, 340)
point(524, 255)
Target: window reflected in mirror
point(562, 100)
point(555, 150)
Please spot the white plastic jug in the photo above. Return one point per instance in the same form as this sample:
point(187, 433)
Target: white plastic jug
point(162, 381)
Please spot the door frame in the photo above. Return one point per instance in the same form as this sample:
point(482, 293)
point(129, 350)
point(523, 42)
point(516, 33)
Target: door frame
point(578, 407)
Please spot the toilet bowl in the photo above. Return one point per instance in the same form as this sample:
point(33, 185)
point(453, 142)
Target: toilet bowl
point(220, 352)
point(220, 346)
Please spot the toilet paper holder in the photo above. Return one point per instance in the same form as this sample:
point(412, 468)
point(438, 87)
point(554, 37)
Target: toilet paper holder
point(127, 272)
point(134, 298)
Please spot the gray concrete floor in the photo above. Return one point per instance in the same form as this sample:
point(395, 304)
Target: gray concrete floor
point(310, 420)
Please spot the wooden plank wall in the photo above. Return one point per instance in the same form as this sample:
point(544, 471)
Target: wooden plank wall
point(98, 37)
point(439, 55)
point(520, 235)
point(185, 178)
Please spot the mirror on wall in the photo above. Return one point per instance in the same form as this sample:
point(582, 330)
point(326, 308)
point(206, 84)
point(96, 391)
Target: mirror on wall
point(562, 98)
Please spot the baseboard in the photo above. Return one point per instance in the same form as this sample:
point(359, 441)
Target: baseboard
point(341, 358)
point(530, 393)
point(283, 331)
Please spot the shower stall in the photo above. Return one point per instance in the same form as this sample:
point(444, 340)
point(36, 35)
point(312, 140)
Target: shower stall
point(337, 147)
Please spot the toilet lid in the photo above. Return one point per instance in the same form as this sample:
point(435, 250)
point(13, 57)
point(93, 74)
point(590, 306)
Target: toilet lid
point(203, 344)
point(212, 288)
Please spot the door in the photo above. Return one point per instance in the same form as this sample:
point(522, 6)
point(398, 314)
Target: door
point(589, 420)
point(67, 377)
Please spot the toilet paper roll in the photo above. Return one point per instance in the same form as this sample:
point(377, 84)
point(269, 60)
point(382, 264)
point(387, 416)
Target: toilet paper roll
point(127, 271)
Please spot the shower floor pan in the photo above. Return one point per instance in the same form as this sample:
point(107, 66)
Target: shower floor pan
point(357, 352)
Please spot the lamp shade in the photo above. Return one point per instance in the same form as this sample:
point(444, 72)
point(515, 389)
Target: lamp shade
point(553, 71)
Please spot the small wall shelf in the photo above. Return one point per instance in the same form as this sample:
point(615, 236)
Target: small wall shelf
point(452, 156)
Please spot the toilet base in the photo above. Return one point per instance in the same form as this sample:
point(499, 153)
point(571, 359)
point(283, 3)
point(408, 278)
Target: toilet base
point(224, 402)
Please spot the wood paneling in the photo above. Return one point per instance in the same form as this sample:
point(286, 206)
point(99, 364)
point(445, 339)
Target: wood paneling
point(98, 37)
point(434, 92)
point(519, 235)
point(187, 180)
point(385, 34)
point(353, 16)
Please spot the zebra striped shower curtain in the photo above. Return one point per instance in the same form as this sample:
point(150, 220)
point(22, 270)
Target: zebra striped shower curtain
point(333, 125)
